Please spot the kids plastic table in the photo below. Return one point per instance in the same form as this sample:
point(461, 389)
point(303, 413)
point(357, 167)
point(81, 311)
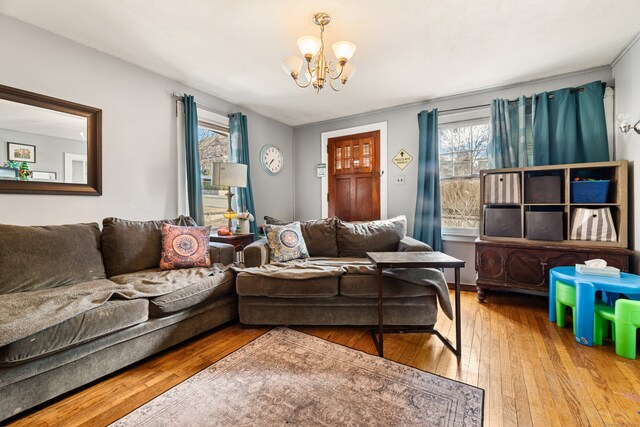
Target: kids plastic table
point(586, 288)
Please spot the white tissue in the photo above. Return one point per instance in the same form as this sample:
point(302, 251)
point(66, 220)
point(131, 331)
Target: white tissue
point(596, 263)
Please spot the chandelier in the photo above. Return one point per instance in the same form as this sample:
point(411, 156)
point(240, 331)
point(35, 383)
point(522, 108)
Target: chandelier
point(319, 70)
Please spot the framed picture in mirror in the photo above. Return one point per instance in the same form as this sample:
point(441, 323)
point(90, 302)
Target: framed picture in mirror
point(8, 173)
point(21, 152)
point(43, 176)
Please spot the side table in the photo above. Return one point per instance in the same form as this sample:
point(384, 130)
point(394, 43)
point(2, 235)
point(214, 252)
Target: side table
point(239, 242)
point(383, 260)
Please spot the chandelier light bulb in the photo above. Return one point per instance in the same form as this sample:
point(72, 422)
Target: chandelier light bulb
point(309, 46)
point(292, 65)
point(311, 78)
point(349, 71)
point(344, 50)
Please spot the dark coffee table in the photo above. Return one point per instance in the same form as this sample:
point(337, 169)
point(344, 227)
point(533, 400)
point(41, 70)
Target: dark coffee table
point(383, 260)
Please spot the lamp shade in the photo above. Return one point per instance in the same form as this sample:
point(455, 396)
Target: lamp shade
point(309, 45)
point(229, 174)
point(344, 49)
point(291, 64)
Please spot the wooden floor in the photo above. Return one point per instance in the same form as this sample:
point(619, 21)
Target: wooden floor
point(533, 373)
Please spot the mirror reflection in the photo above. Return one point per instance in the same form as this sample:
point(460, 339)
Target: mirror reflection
point(38, 144)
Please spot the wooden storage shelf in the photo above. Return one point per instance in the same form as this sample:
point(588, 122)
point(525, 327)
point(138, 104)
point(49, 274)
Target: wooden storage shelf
point(522, 263)
point(615, 172)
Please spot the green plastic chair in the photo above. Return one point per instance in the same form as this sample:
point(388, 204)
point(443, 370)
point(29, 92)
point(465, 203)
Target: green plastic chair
point(565, 297)
point(625, 317)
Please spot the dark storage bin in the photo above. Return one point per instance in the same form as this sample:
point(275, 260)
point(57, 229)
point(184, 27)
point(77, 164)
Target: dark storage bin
point(543, 189)
point(589, 191)
point(544, 225)
point(502, 222)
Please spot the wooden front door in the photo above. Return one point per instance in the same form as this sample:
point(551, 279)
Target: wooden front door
point(354, 176)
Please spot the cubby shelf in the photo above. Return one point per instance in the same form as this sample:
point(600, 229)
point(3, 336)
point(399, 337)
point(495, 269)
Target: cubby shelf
point(615, 172)
point(521, 263)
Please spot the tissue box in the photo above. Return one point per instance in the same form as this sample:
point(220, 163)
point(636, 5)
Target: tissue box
point(595, 271)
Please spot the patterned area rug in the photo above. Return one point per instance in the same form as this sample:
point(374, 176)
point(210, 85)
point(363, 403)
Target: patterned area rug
point(287, 377)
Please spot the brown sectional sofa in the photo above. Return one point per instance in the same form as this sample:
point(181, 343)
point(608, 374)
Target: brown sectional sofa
point(345, 299)
point(114, 306)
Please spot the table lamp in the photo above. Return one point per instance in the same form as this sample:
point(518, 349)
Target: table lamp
point(229, 175)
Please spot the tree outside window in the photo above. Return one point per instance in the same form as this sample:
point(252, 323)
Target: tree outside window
point(213, 143)
point(463, 153)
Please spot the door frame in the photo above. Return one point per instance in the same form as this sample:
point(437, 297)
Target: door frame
point(324, 142)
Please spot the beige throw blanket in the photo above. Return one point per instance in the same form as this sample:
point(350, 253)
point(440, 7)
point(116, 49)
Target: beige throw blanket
point(314, 268)
point(25, 313)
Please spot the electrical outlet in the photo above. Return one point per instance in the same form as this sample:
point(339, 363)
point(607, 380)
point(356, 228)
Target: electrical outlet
point(400, 179)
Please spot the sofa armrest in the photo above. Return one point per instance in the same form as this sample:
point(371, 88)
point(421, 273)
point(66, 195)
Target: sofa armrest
point(409, 244)
point(257, 253)
point(222, 253)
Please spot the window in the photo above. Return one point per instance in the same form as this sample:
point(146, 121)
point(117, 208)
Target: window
point(213, 142)
point(463, 153)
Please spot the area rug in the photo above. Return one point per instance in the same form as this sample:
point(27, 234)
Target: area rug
point(287, 377)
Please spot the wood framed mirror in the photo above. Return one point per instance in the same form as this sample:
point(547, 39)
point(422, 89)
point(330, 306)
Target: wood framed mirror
point(49, 145)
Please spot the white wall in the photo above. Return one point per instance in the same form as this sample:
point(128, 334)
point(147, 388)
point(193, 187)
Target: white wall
point(403, 133)
point(50, 150)
point(138, 131)
point(626, 74)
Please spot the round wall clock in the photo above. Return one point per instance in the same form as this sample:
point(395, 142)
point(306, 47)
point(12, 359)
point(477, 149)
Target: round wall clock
point(271, 159)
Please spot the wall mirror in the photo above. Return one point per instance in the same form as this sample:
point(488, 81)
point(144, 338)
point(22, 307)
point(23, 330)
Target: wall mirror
point(48, 145)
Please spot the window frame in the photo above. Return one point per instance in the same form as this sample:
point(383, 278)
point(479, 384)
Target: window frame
point(469, 117)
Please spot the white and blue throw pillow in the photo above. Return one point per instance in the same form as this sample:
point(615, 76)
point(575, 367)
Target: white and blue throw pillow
point(285, 242)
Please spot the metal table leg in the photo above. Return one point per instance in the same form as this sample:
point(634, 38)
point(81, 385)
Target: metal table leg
point(458, 350)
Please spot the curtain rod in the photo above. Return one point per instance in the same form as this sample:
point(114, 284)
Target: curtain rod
point(205, 106)
point(527, 98)
point(473, 107)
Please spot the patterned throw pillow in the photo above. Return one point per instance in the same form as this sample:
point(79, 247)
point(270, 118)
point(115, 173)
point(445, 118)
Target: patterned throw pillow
point(184, 247)
point(285, 242)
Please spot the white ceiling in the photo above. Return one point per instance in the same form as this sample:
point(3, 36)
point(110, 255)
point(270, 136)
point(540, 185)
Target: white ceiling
point(41, 121)
point(408, 50)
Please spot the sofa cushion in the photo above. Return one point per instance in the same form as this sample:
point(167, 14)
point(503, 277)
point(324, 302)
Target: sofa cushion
point(366, 286)
point(34, 257)
point(319, 235)
point(110, 317)
point(129, 246)
point(184, 247)
point(285, 242)
point(253, 285)
point(356, 239)
point(209, 288)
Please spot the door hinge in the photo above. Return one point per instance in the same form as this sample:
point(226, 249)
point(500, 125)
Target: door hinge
point(327, 197)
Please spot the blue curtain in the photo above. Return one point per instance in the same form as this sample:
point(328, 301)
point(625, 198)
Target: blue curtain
point(243, 200)
point(194, 181)
point(510, 134)
point(569, 126)
point(428, 215)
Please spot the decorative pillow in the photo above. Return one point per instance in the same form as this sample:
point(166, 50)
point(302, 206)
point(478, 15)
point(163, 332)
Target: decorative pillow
point(130, 246)
point(285, 242)
point(184, 247)
point(319, 235)
point(356, 239)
